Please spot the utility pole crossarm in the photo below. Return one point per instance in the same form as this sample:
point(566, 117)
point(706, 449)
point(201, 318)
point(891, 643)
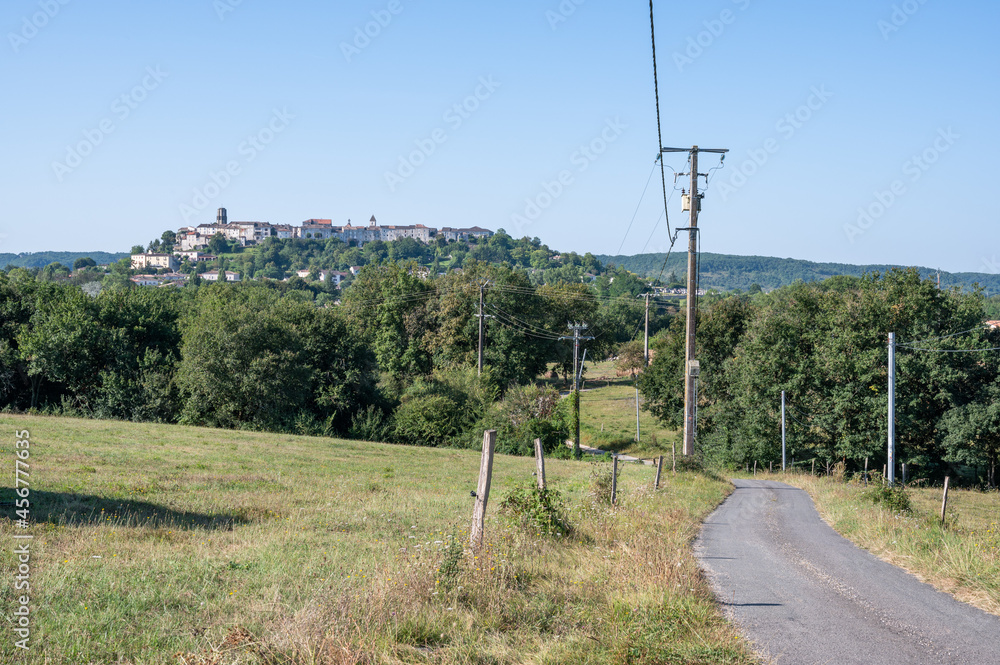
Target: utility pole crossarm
point(715, 150)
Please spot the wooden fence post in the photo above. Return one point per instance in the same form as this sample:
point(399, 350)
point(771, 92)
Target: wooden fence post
point(483, 489)
point(755, 468)
point(904, 474)
point(659, 469)
point(540, 464)
point(770, 467)
point(614, 479)
point(866, 472)
point(944, 501)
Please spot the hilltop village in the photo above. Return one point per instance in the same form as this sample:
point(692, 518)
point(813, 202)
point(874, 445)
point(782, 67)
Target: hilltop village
point(165, 260)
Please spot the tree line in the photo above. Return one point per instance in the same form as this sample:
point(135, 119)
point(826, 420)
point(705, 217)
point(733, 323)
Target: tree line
point(825, 345)
point(728, 272)
point(394, 360)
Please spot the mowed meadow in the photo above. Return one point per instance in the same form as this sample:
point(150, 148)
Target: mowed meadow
point(171, 544)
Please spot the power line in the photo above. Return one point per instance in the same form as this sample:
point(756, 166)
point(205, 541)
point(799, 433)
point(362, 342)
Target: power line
point(641, 197)
point(659, 132)
point(932, 339)
point(913, 348)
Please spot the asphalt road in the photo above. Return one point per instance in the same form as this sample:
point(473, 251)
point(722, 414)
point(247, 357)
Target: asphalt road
point(803, 594)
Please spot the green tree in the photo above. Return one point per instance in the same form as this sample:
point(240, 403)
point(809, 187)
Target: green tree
point(516, 343)
point(386, 305)
point(241, 361)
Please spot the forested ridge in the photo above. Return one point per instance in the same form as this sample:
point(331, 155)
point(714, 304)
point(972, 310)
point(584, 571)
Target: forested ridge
point(42, 259)
point(728, 272)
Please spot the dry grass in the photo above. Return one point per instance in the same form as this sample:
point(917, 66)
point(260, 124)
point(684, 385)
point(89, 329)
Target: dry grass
point(166, 544)
point(961, 557)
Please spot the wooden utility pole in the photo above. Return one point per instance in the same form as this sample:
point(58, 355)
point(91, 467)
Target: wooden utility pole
point(645, 343)
point(576, 328)
point(693, 202)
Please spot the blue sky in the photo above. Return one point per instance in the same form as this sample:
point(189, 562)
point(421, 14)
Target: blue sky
point(860, 132)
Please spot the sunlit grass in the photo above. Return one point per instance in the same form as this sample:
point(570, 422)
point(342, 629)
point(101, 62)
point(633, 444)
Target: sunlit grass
point(961, 557)
point(168, 544)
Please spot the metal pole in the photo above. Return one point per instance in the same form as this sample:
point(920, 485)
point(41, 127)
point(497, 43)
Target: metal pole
point(891, 465)
point(782, 430)
point(692, 294)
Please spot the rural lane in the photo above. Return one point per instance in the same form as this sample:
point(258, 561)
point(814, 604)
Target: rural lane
point(803, 594)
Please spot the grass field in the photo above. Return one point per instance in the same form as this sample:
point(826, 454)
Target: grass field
point(607, 416)
point(961, 557)
point(168, 544)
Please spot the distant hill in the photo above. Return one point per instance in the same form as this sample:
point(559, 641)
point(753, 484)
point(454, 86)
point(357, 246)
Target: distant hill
point(727, 272)
point(42, 259)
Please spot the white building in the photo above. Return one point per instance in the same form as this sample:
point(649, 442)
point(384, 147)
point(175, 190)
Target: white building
point(152, 260)
point(213, 276)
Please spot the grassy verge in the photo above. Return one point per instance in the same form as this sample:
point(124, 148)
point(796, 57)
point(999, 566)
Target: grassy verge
point(167, 544)
point(961, 557)
point(607, 416)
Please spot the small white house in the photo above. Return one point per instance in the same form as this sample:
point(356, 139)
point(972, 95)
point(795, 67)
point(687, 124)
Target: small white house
point(213, 276)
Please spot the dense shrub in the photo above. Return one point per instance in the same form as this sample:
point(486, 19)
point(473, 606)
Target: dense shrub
point(891, 497)
point(441, 409)
point(539, 510)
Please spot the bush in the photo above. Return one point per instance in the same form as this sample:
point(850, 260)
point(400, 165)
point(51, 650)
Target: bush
point(893, 498)
point(370, 425)
point(526, 413)
point(442, 409)
point(600, 483)
point(428, 420)
point(542, 510)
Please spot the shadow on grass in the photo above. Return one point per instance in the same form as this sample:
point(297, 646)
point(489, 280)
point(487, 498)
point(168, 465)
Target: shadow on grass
point(71, 509)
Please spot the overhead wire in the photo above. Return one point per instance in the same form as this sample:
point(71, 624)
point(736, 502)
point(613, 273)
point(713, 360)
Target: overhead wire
point(933, 339)
point(636, 212)
point(659, 131)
